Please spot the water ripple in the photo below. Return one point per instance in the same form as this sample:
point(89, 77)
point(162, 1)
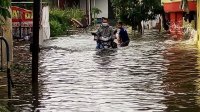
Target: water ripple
point(149, 75)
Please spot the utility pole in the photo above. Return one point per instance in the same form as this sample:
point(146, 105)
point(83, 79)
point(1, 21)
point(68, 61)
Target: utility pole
point(35, 41)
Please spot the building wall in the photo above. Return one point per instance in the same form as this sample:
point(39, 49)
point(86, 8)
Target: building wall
point(169, 1)
point(103, 6)
point(176, 22)
point(7, 34)
point(172, 8)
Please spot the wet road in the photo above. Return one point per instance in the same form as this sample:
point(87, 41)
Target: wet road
point(152, 74)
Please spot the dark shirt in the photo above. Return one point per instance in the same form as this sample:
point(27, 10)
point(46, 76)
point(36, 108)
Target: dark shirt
point(123, 35)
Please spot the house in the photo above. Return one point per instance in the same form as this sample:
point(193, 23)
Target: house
point(104, 5)
point(86, 5)
point(177, 12)
point(22, 20)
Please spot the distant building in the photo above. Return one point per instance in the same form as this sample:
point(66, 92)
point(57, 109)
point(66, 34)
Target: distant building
point(103, 5)
point(177, 12)
point(87, 5)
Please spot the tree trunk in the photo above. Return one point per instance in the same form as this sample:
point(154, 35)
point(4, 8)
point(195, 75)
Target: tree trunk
point(7, 34)
point(140, 28)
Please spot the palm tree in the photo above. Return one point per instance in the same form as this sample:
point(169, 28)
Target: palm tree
point(95, 11)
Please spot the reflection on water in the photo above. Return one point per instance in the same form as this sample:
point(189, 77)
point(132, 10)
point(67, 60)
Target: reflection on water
point(197, 81)
point(180, 89)
point(104, 57)
point(149, 75)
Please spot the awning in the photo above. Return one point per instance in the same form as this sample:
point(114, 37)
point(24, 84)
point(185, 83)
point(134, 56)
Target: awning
point(175, 6)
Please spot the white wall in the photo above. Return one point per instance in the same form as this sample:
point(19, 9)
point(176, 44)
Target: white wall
point(103, 6)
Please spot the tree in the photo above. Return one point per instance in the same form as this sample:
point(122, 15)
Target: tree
point(95, 11)
point(132, 12)
point(4, 11)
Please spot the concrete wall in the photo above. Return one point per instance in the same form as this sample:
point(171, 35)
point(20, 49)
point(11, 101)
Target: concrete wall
point(101, 4)
point(7, 34)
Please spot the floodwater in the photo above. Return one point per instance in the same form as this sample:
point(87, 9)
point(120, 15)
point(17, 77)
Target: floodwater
point(152, 74)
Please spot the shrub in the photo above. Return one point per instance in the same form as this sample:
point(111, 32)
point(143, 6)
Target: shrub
point(57, 22)
point(74, 13)
point(56, 28)
point(60, 20)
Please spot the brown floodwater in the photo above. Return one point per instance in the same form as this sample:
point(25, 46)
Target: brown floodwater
point(151, 74)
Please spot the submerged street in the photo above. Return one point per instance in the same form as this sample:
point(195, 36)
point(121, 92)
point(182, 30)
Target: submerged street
point(151, 74)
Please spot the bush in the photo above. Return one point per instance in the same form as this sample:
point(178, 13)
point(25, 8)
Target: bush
point(57, 22)
point(56, 28)
point(60, 20)
point(75, 13)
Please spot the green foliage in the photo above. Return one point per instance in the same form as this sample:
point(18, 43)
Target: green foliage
point(60, 20)
point(75, 13)
point(3, 109)
point(134, 11)
point(95, 11)
point(56, 28)
point(4, 12)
